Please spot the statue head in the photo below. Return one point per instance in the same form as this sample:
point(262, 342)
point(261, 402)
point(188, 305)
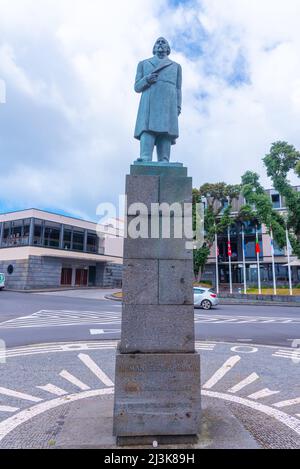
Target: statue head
point(161, 48)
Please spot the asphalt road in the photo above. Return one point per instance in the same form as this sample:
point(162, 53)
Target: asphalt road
point(74, 359)
point(46, 318)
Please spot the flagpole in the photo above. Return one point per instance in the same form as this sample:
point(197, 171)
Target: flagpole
point(244, 260)
point(229, 258)
point(273, 263)
point(288, 245)
point(258, 264)
point(217, 264)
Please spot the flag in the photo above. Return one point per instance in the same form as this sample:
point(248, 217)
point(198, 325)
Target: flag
point(289, 246)
point(272, 247)
point(229, 249)
point(257, 246)
point(218, 251)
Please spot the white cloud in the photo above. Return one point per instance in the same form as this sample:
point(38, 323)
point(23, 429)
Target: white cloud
point(66, 131)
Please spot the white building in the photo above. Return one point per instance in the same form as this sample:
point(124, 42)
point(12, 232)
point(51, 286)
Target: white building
point(39, 249)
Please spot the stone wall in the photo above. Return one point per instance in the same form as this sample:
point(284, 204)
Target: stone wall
point(38, 272)
point(18, 279)
point(43, 272)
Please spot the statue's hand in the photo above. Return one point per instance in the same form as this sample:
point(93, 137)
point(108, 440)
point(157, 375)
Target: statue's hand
point(152, 78)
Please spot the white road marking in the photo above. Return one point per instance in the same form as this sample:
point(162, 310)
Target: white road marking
point(60, 347)
point(282, 417)
point(104, 331)
point(53, 390)
point(61, 318)
point(6, 426)
point(86, 359)
point(287, 403)
point(72, 379)
point(292, 354)
point(223, 319)
point(19, 395)
point(262, 394)
point(10, 424)
point(205, 345)
point(221, 372)
point(245, 382)
point(9, 409)
point(244, 349)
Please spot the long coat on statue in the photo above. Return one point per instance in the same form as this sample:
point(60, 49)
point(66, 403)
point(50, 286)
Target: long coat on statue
point(158, 110)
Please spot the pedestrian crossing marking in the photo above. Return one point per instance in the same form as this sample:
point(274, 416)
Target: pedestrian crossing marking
point(292, 354)
point(87, 360)
point(19, 395)
point(226, 319)
point(222, 371)
point(245, 382)
point(287, 403)
point(53, 390)
point(8, 409)
point(72, 379)
point(262, 394)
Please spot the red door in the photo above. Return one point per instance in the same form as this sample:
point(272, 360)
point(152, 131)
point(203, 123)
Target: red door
point(81, 277)
point(66, 276)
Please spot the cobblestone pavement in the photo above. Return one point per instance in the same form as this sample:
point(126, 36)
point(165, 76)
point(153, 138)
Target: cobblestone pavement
point(40, 384)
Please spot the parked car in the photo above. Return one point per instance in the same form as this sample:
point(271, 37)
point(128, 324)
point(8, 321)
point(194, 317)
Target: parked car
point(205, 298)
point(2, 281)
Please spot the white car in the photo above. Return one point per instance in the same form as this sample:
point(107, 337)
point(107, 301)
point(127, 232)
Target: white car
point(2, 281)
point(205, 298)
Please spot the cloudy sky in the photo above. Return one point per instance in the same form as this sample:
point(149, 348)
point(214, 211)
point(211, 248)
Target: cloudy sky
point(66, 129)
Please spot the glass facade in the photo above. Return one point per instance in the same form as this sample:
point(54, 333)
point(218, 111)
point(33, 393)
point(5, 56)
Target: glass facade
point(49, 234)
point(15, 233)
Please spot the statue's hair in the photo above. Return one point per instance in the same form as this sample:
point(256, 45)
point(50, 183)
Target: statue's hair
point(169, 48)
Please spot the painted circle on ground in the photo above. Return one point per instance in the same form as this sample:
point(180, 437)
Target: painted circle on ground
point(244, 349)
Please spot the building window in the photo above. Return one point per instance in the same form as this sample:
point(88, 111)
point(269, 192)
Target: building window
point(92, 242)
point(78, 240)
point(6, 234)
point(67, 243)
point(26, 231)
point(52, 235)
point(275, 200)
point(38, 232)
point(16, 233)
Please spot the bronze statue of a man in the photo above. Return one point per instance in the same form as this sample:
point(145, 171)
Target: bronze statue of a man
point(159, 79)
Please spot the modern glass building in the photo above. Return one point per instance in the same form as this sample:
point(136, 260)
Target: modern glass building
point(39, 249)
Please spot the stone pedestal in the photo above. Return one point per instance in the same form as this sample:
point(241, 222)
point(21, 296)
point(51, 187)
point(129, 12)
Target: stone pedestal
point(157, 384)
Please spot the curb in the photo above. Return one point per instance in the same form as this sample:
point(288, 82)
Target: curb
point(113, 298)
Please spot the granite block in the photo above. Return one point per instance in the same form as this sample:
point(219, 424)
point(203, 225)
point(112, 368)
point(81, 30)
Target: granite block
point(158, 170)
point(176, 282)
point(157, 328)
point(174, 189)
point(157, 394)
point(142, 190)
point(156, 249)
point(140, 285)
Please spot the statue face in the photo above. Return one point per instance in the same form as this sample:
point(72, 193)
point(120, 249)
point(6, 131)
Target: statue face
point(161, 48)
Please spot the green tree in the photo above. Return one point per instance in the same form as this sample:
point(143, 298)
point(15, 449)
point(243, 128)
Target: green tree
point(282, 159)
point(216, 217)
point(259, 207)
